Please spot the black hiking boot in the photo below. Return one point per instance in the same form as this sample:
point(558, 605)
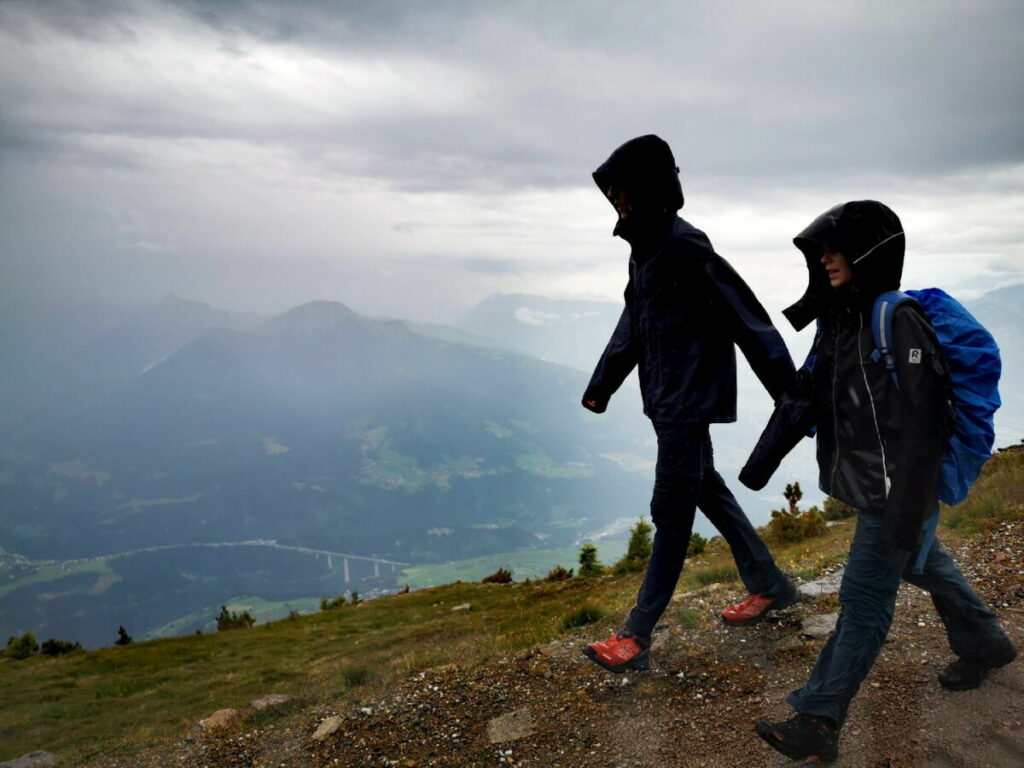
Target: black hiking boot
point(964, 674)
point(804, 737)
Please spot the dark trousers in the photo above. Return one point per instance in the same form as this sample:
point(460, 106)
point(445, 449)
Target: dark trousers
point(685, 479)
point(867, 597)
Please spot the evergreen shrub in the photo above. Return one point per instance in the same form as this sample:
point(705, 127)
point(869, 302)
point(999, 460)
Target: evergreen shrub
point(22, 647)
point(589, 564)
point(500, 576)
point(638, 551)
point(793, 524)
point(230, 620)
point(558, 573)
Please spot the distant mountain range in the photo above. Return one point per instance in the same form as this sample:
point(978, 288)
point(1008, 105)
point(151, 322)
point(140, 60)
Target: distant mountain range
point(315, 426)
point(318, 429)
point(60, 358)
point(572, 332)
point(158, 460)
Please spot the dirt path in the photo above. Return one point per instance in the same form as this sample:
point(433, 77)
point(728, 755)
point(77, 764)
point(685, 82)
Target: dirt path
point(551, 708)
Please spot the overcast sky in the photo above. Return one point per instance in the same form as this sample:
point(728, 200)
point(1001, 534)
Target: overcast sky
point(410, 158)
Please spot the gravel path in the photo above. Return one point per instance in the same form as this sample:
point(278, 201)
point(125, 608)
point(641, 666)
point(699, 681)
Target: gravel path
point(551, 708)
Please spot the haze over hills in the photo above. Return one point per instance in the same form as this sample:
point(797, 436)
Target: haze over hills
point(318, 429)
point(61, 357)
point(572, 332)
point(316, 394)
point(165, 459)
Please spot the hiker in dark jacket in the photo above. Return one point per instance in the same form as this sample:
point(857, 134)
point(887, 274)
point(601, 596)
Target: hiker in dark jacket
point(879, 450)
point(685, 310)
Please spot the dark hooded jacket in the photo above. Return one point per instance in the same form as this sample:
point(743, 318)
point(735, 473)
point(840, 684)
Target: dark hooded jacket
point(685, 306)
point(879, 444)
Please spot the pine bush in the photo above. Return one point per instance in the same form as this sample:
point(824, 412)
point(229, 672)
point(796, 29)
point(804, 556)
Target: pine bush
point(558, 573)
point(22, 647)
point(230, 620)
point(500, 576)
point(638, 551)
point(589, 564)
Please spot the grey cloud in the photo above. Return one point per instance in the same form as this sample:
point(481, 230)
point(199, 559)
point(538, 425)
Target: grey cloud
point(756, 99)
point(407, 227)
point(146, 245)
point(740, 91)
point(102, 21)
point(490, 266)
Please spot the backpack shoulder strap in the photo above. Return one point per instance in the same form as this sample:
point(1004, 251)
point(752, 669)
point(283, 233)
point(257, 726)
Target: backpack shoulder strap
point(881, 329)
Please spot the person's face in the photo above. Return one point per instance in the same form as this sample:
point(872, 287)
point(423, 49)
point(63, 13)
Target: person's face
point(620, 200)
point(837, 267)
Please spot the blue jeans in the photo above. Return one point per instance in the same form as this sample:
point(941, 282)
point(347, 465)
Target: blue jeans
point(867, 597)
point(685, 479)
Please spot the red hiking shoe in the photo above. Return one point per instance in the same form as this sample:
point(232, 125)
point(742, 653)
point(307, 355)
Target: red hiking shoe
point(756, 607)
point(620, 652)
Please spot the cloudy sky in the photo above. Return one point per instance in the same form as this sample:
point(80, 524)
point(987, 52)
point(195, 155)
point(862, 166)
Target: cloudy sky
point(410, 158)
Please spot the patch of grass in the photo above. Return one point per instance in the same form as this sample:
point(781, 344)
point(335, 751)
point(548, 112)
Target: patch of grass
point(356, 675)
point(976, 517)
point(689, 618)
point(722, 574)
point(807, 573)
point(587, 614)
point(264, 717)
point(997, 496)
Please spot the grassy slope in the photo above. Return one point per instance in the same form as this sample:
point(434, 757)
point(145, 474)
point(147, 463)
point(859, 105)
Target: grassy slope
point(259, 608)
point(523, 565)
point(115, 699)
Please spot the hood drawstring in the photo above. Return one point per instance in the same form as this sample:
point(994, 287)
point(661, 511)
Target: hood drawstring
point(873, 248)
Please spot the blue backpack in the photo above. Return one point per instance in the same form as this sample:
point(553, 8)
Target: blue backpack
point(972, 357)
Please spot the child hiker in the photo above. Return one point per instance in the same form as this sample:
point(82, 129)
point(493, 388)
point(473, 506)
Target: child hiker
point(881, 435)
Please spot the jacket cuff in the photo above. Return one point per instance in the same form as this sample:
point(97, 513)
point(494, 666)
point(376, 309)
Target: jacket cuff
point(598, 397)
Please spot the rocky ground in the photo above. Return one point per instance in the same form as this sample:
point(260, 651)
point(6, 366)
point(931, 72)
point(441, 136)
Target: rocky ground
point(551, 708)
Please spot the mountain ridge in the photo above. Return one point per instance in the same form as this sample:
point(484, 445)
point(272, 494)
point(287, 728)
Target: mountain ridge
point(320, 427)
point(307, 438)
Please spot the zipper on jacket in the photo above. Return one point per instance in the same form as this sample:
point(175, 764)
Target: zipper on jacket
point(835, 414)
point(886, 483)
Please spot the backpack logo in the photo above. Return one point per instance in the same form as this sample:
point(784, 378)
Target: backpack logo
point(915, 356)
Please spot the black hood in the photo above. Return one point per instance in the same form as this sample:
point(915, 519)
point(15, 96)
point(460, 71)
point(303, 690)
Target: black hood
point(645, 170)
point(871, 238)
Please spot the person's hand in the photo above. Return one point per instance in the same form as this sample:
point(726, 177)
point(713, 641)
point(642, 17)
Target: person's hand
point(592, 404)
